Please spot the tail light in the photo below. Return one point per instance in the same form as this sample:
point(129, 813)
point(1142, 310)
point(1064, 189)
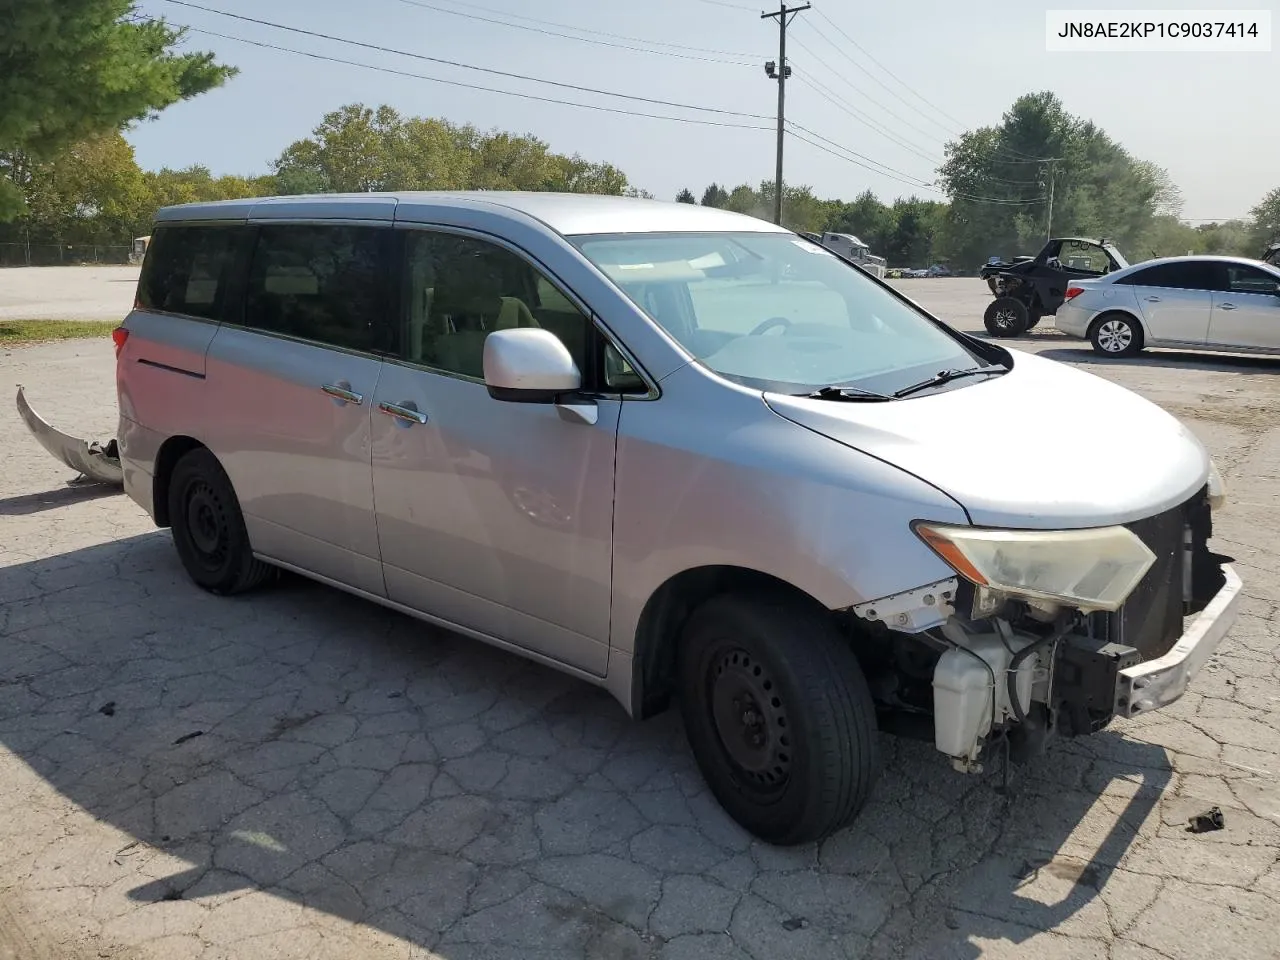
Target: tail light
point(118, 336)
point(1073, 292)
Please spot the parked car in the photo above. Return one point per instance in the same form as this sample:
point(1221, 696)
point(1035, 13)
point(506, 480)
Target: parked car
point(938, 270)
point(1205, 303)
point(915, 273)
point(679, 453)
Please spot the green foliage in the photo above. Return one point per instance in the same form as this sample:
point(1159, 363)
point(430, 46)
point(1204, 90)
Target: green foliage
point(715, 196)
point(1098, 188)
point(73, 70)
point(358, 149)
point(1265, 223)
point(685, 196)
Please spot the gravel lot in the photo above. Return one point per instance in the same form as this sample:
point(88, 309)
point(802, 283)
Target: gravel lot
point(301, 774)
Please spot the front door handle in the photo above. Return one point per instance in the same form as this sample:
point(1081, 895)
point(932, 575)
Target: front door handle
point(1226, 306)
point(342, 392)
point(405, 412)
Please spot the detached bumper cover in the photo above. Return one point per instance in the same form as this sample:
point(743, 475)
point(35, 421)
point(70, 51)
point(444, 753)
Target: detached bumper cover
point(94, 461)
point(1157, 683)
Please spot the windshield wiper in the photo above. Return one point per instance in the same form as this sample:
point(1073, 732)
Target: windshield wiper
point(850, 394)
point(946, 376)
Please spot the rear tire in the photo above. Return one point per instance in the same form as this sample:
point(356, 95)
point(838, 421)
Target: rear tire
point(1006, 317)
point(779, 716)
point(208, 527)
point(1116, 335)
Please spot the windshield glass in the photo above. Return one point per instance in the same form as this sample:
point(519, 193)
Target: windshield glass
point(774, 312)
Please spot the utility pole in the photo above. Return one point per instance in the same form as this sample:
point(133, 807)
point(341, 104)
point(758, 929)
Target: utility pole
point(1048, 227)
point(780, 71)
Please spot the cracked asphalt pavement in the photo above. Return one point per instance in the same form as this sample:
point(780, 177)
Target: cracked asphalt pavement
point(298, 773)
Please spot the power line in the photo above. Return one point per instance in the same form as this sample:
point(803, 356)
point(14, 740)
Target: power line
point(890, 110)
point(731, 6)
point(835, 26)
point(840, 103)
point(469, 66)
point(472, 86)
point(566, 36)
point(895, 174)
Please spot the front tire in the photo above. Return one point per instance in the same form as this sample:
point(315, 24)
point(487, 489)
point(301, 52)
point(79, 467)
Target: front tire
point(1116, 335)
point(779, 716)
point(1006, 317)
point(208, 527)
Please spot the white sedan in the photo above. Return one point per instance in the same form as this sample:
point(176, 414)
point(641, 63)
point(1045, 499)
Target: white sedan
point(1228, 304)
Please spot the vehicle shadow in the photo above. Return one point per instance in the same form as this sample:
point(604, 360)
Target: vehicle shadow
point(29, 503)
point(1181, 359)
point(354, 761)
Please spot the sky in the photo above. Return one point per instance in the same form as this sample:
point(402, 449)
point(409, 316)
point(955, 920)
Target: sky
point(890, 81)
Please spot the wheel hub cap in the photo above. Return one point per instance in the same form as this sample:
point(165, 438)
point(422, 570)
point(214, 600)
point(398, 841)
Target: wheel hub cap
point(751, 719)
point(1114, 336)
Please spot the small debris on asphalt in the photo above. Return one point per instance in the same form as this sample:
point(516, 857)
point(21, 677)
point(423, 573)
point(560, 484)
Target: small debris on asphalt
point(952, 921)
point(1212, 819)
point(394, 694)
point(795, 923)
point(108, 709)
point(188, 736)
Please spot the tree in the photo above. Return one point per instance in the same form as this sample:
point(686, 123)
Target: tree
point(1265, 221)
point(685, 196)
point(998, 180)
point(72, 70)
point(715, 196)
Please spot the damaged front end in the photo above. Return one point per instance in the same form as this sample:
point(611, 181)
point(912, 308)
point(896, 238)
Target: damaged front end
point(93, 462)
point(1002, 655)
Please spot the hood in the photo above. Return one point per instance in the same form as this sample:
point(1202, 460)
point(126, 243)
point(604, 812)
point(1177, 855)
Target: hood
point(1042, 446)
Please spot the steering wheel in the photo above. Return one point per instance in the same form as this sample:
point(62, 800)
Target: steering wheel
point(769, 324)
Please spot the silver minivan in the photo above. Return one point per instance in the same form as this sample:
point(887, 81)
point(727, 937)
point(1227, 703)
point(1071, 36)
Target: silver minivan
point(683, 454)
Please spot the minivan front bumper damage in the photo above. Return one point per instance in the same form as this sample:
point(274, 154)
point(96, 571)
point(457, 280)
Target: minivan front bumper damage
point(1159, 682)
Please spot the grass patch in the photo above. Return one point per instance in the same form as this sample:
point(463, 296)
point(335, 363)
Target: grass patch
point(18, 332)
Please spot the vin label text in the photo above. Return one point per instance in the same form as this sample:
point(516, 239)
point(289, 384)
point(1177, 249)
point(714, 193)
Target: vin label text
point(1158, 31)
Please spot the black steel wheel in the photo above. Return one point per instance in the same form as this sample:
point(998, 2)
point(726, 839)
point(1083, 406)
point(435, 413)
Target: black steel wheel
point(208, 527)
point(778, 715)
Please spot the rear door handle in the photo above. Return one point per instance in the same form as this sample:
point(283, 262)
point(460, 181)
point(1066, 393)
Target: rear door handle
point(406, 412)
point(1226, 306)
point(342, 392)
point(1153, 299)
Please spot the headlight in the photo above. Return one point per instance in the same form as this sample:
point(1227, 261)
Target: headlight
point(1217, 488)
point(1092, 569)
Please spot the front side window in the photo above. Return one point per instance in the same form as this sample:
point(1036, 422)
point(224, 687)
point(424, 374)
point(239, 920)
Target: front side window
point(321, 283)
point(187, 268)
point(775, 313)
point(458, 290)
point(1190, 275)
point(1244, 279)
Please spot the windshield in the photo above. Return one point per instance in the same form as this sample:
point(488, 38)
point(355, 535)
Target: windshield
point(776, 313)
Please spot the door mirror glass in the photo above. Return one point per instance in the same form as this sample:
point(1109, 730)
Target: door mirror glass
point(528, 365)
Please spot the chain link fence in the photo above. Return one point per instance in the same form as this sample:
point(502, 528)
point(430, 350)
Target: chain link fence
point(63, 254)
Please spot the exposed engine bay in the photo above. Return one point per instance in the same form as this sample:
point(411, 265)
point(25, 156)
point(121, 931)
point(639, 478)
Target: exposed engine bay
point(974, 672)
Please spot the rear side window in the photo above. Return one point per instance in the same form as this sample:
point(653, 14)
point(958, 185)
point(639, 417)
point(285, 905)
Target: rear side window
point(187, 269)
point(322, 283)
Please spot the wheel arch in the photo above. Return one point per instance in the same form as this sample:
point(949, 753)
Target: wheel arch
point(171, 451)
point(668, 608)
point(1129, 315)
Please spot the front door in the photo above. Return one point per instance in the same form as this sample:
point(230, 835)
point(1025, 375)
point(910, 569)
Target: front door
point(1247, 313)
point(291, 381)
point(492, 515)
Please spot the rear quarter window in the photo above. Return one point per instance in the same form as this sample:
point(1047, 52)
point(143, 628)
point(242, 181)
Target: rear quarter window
point(187, 269)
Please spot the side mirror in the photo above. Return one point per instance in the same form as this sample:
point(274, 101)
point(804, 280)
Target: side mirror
point(528, 365)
